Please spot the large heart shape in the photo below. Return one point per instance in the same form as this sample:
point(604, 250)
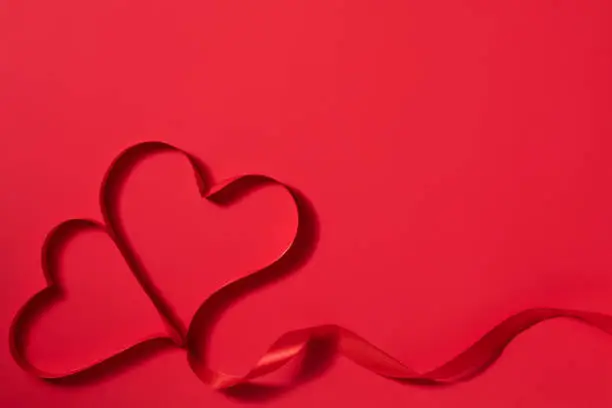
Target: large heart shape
point(223, 194)
point(191, 247)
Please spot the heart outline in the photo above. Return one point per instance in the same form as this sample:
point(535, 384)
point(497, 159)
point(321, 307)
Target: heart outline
point(221, 194)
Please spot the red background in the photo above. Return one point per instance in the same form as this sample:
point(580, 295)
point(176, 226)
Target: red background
point(456, 152)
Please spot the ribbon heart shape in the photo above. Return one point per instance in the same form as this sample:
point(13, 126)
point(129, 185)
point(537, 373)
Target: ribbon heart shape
point(289, 345)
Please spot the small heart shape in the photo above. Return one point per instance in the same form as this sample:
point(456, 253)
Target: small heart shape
point(39, 304)
point(223, 194)
point(100, 308)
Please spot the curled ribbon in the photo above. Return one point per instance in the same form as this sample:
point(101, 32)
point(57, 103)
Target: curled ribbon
point(288, 346)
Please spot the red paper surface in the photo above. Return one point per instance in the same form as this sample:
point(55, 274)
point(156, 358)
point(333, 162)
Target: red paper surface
point(456, 152)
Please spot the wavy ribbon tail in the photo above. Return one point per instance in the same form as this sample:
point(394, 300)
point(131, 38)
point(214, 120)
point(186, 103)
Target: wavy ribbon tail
point(475, 359)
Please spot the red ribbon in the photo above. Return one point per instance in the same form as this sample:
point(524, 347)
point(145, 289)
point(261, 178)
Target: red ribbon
point(290, 345)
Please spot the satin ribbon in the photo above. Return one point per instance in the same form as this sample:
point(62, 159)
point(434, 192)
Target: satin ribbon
point(288, 346)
